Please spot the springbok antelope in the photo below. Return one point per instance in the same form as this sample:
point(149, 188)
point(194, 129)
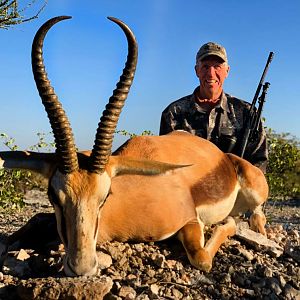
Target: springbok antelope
point(101, 197)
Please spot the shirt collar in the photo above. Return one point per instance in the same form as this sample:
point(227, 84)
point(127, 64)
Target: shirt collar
point(223, 103)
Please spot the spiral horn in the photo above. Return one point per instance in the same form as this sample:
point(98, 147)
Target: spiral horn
point(110, 116)
point(65, 146)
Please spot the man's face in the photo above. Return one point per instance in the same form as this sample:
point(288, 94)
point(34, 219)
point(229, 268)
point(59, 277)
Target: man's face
point(212, 72)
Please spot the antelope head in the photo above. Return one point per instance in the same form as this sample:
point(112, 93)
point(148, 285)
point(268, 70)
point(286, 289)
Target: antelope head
point(80, 182)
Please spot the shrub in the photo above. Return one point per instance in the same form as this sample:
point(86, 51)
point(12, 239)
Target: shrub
point(131, 135)
point(14, 183)
point(283, 172)
point(12, 187)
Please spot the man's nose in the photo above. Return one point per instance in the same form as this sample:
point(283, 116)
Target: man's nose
point(211, 70)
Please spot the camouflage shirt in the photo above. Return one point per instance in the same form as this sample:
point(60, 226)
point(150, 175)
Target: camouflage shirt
point(223, 125)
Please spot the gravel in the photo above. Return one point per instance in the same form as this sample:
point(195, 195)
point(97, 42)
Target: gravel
point(157, 270)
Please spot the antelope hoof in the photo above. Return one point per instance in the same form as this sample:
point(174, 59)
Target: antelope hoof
point(258, 222)
point(202, 261)
point(205, 266)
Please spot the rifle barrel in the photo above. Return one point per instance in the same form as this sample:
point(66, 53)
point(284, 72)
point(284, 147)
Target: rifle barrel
point(252, 115)
point(269, 60)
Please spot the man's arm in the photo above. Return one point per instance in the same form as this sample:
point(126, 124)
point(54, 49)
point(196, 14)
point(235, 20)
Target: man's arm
point(166, 123)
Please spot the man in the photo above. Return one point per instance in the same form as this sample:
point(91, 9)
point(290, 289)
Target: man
point(211, 113)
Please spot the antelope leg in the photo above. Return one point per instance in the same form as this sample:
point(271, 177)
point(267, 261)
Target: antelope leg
point(192, 238)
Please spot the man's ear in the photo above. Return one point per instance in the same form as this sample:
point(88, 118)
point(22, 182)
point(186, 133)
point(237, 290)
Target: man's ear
point(196, 70)
point(227, 71)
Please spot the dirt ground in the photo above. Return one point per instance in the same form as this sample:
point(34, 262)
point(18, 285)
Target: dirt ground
point(157, 270)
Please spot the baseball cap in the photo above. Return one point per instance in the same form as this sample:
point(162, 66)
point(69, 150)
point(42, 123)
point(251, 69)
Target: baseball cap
point(211, 48)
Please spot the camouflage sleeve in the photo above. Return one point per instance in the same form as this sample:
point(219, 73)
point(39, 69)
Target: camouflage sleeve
point(166, 122)
point(257, 150)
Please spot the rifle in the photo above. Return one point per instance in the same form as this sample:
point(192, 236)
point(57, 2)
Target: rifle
point(252, 122)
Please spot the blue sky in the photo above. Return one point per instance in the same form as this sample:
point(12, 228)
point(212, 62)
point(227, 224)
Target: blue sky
point(84, 58)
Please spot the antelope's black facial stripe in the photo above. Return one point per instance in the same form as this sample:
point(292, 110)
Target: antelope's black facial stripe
point(55, 202)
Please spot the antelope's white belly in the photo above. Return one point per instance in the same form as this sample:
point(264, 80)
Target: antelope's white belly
point(216, 212)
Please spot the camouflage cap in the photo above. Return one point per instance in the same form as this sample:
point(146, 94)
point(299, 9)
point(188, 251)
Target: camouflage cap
point(211, 48)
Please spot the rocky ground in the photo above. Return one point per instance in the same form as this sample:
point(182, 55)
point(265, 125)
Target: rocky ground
point(242, 269)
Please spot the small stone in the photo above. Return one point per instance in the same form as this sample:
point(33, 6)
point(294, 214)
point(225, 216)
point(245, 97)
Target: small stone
point(282, 281)
point(117, 285)
point(171, 263)
point(65, 288)
point(226, 278)
point(246, 254)
point(167, 293)
point(177, 294)
point(151, 273)
point(22, 255)
point(104, 260)
point(154, 288)
point(115, 253)
point(185, 279)
point(201, 279)
point(249, 292)
point(139, 247)
point(159, 260)
point(267, 272)
point(131, 277)
point(127, 292)
point(122, 261)
point(121, 247)
point(258, 240)
point(294, 233)
point(61, 248)
point(142, 297)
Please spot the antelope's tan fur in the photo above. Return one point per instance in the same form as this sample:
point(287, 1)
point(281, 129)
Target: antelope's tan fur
point(216, 186)
point(151, 188)
point(179, 203)
point(211, 188)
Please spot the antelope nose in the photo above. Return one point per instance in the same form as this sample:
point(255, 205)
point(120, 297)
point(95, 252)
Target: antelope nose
point(82, 268)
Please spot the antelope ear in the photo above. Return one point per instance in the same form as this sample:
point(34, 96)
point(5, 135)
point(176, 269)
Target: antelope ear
point(119, 165)
point(42, 163)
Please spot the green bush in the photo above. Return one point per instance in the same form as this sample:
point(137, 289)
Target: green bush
point(14, 183)
point(283, 172)
point(131, 135)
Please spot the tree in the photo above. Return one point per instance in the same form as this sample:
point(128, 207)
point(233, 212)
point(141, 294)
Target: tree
point(11, 14)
